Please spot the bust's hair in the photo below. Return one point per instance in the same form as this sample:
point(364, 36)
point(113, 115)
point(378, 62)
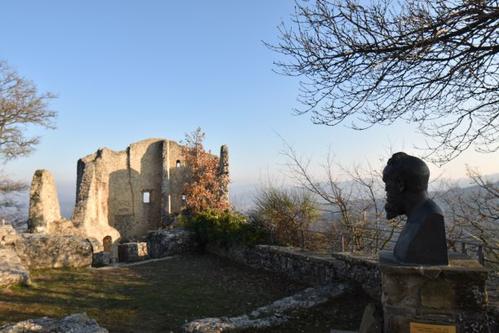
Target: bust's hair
point(412, 170)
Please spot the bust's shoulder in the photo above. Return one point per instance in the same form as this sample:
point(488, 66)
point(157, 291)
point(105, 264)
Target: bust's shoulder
point(430, 207)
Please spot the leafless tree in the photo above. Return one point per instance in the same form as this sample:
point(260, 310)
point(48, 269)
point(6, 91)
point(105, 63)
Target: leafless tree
point(377, 232)
point(473, 215)
point(356, 203)
point(430, 62)
point(21, 106)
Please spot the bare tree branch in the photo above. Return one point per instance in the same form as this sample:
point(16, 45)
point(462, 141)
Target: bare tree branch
point(21, 106)
point(356, 204)
point(429, 62)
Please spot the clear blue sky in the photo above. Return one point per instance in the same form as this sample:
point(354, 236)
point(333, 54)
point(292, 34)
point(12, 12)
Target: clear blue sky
point(130, 70)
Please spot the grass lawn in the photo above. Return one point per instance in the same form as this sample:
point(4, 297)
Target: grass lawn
point(161, 296)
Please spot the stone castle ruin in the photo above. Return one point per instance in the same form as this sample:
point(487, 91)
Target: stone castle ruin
point(120, 195)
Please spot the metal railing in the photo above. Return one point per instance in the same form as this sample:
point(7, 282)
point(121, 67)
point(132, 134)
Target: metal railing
point(476, 249)
point(368, 239)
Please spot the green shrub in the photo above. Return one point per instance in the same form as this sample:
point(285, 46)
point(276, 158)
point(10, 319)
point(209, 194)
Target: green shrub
point(224, 229)
point(287, 213)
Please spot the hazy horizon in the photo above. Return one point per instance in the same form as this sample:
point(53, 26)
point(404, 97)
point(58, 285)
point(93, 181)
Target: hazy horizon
point(241, 195)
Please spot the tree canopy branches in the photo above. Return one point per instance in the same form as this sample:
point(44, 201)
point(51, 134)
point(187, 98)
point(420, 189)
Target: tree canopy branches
point(21, 105)
point(429, 62)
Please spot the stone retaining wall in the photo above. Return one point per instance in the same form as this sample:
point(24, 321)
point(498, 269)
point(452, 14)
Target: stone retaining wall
point(314, 268)
point(308, 266)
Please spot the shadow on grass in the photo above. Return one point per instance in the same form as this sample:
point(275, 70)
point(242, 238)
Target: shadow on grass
point(154, 297)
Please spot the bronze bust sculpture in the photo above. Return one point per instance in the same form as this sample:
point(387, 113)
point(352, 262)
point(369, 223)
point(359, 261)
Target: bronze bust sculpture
point(422, 240)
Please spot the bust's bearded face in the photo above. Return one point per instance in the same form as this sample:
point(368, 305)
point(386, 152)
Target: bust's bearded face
point(394, 196)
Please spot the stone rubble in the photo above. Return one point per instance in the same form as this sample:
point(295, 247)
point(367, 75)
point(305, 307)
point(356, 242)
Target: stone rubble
point(269, 315)
point(75, 323)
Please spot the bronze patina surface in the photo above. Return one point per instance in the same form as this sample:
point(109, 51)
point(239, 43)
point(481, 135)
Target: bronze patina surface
point(422, 240)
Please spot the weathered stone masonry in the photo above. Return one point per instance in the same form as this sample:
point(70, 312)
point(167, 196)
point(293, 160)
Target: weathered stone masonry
point(44, 203)
point(309, 267)
point(123, 195)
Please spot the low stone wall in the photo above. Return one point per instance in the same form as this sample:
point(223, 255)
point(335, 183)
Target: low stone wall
point(270, 315)
point(38, 251)
point(308, 266)
point(76, 323)
point(21, 252)
point(158, 244)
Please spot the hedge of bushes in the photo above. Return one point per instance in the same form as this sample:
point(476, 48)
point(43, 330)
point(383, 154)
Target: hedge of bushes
point(225, 229)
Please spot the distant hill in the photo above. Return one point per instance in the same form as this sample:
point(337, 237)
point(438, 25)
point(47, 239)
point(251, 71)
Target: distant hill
point(14, 206)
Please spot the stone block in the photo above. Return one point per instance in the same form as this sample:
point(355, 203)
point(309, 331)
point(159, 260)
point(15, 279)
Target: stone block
point(102, 259)
point(133, 251)
point(437, 295)
point(452, 295)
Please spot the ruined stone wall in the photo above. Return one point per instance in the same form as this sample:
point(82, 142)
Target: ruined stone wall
point(224, 171)
point(111, 187)
point(44, 206)
point(127, 211)
point(115, 187)
point(123, 195)
point(91, 209)
point(177, 176)
point(42, 251)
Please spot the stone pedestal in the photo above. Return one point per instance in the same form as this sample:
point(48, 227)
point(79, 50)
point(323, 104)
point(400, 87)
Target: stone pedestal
point(431, 299)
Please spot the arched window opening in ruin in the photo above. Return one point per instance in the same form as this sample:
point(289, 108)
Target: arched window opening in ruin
point(184, 198)
point(107, 242)
point(146, 197)
point(178, 164)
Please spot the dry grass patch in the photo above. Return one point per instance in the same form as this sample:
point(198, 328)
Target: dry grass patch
point(154, 297)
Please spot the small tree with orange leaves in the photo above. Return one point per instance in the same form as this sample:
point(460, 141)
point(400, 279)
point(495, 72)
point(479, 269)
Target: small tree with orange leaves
point(205, 185)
